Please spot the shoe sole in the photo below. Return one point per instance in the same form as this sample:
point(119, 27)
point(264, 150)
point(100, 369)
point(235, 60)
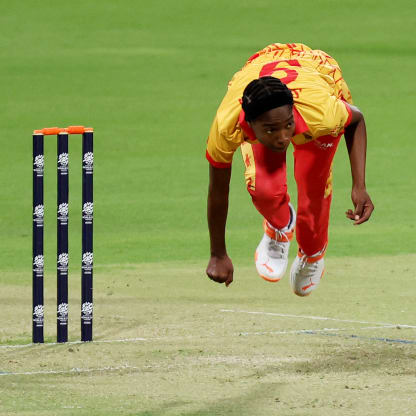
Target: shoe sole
point(268, 279)
point(307, 294)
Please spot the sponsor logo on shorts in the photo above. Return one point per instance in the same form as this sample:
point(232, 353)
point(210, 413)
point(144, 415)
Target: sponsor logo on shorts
point(323, 146)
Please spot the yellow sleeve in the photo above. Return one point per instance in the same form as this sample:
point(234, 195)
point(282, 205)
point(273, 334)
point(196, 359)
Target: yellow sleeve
point(225, 135)
point(325, 114)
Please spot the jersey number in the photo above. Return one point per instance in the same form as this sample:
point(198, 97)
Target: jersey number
point(272, 67)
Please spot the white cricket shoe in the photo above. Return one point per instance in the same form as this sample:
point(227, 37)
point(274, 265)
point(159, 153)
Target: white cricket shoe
point(271, 255)
point(306, 272)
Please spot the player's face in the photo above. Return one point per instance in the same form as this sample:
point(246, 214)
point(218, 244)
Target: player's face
point(275, 128)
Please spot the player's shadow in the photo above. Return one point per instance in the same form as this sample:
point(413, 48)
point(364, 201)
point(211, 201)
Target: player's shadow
point(376, 355)
point(244, 404)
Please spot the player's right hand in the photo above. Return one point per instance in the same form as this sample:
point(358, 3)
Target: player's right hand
point(220, 269)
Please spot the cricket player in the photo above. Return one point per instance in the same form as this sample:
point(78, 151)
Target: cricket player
point(285, 93)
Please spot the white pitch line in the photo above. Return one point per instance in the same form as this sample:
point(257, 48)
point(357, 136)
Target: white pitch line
point(283, 315)
point(128, 340)
point(102, 341)
point(48, 344)
point(72, 371)
point(302, 331)
point(316, 318)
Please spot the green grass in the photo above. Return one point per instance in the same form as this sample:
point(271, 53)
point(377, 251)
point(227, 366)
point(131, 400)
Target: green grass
point(148, 77)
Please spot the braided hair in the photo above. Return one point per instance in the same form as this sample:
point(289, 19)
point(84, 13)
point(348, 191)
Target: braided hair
point(263, 94)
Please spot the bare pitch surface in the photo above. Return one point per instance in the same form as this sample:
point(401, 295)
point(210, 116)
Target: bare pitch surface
point(170, 342)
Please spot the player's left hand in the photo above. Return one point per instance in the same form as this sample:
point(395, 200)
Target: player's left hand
point(363, 206)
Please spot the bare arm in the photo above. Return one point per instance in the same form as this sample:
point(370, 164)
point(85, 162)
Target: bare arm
point(356, 140)
point(220, 268)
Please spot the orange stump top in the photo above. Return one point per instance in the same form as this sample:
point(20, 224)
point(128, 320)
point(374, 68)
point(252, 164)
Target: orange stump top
point(70, 130)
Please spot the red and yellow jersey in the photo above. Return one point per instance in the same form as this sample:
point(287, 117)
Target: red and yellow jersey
point(319, 92)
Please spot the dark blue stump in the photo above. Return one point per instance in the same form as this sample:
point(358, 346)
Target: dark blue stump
point(87, 236)
point(37, 262)
point(62, 238)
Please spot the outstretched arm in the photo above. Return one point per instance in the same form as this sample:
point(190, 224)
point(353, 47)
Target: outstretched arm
point(356, 140)
point(220, 268)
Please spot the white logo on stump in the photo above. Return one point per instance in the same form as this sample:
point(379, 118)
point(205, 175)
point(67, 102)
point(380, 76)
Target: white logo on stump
point(63, 260)
point(63, 159)
point(86, 312)
point(63, 213)
point(38, 164)
point(87, 261)
point(38, 262)
point(87, 212)
point(38, 311)
point(88, 162)
point(38, 214)
point(63, 313)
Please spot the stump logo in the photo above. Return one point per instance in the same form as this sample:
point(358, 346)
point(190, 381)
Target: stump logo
point(38, 311)
point(38, 265)
point(38, 165)
point(87, 261)
point(63, 260)
point(88, 162)
point(63, 313)
point(86, 312)
point(63, 213)
point(38, 261)
point(87, 212)
point(63, 160)
point(38, 315)
point(38, 214)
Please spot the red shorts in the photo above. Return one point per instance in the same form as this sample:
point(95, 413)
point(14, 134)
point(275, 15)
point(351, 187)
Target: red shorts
point(267, 184)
